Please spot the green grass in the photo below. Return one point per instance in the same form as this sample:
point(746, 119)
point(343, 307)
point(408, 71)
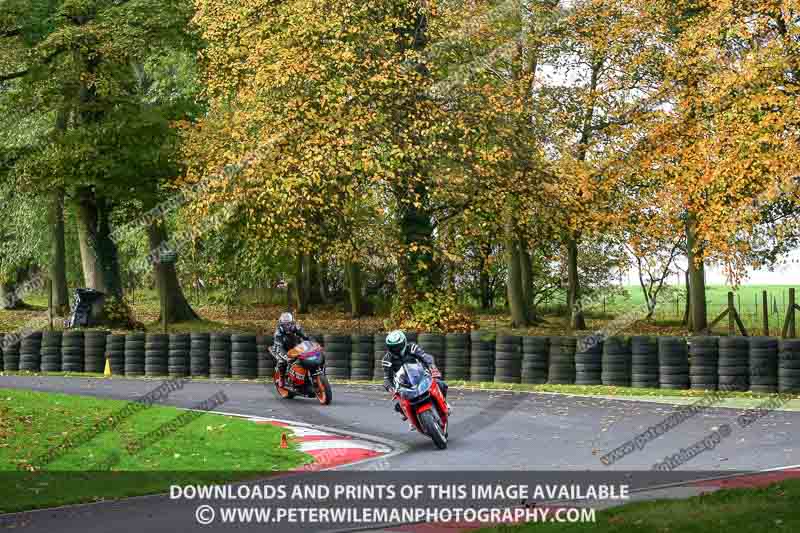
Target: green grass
point(747, 300)
point(210, 449)
point(771, 509)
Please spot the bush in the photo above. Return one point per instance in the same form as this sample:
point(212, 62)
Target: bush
point(437, 313)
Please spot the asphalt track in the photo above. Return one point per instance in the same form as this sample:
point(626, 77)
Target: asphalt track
point(489, 431)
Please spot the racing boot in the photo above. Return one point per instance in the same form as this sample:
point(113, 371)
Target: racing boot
point(282, 375)
point(399, 410)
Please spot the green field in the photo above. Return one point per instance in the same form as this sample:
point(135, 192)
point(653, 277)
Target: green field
point(209, 449)
point(672, 304)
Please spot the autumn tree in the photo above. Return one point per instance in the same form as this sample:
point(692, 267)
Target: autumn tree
point(79, 65)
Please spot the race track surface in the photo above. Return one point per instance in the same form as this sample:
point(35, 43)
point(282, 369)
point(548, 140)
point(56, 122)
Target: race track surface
point(489, 431)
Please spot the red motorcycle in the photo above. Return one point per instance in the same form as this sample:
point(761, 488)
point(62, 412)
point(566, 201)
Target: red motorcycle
point(305, 374)
point(422, 401)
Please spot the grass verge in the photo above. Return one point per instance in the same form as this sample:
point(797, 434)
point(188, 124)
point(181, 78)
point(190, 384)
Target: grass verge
point(209, 449)
point(772, 508)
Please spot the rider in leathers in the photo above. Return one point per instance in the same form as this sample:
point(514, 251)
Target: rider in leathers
point(288, 334)
point(398, 352)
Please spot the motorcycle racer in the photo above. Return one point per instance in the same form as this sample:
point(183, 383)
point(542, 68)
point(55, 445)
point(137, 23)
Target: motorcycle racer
point(288, 334)
point(398, 352)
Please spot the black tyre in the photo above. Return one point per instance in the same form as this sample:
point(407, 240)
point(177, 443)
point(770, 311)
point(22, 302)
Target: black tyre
point(430, 425)
point(323, 390)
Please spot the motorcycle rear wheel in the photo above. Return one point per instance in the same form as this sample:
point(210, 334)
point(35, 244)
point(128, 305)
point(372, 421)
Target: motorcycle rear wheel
point(432, 428)
point(323, 390)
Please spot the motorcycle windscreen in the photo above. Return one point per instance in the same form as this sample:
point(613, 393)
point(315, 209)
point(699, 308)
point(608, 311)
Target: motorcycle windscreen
point(303, 348)
point(414, 380)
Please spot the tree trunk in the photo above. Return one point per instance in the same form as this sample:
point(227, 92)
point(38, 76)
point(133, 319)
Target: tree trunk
point(515, 292)
point(169, 288)
point(483, 281)
point(99, 256)
point(420, 272)
point(527, 282)
point(299, 286)
point(308, 287)
point(322, 274)
point(687, 317)
point(314, 282)
point(9, 299)
point(697, 284)
point(58, 256)
point(577, 320)
point(354, 284)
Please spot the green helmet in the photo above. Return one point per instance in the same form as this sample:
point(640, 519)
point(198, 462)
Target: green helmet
point(396, 342)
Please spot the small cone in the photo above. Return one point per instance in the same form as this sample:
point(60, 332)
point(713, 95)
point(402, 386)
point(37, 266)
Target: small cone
point(107, 371)
point(284, 441)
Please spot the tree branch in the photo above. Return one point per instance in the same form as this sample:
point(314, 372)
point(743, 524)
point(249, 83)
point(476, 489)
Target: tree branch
point(46, 61)
point(15, 32)
point(14, 75)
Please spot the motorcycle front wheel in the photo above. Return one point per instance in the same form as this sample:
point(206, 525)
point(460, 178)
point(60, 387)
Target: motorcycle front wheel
point(282, 391)
point(432, 428)
point(323, 389)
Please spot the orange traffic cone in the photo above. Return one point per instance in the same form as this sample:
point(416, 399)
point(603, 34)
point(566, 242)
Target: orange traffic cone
point(284, 441)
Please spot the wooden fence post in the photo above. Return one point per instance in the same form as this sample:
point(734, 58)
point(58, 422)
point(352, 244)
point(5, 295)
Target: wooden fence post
point(765, 312)
point(731, 311)
point(788, 330)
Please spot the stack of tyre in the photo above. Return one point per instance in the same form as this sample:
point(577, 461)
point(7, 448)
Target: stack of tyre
point(11, 356)
point(378, 351)
point(178, 357)
point(617, 362)
point(94, 351)
point(561, 369)
point(789, 366)
point(673, 363)
point(763, 364)
point(156, 355)
point(51, 351)
point(433, 344)
point(644, 362)
point(704, 363)
point(115, 349)
point(534, 360)
point(508, 359)
point(30, 349)
point(244, 356)
point(362, 357)
point(219, 355)
point(481, 357)
point(589, 361)
point(72, 351)
point(733, 363)
point(266, 363)
point(456, 356)
point(134, 354)
point(199, 348)
point(337, 355)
